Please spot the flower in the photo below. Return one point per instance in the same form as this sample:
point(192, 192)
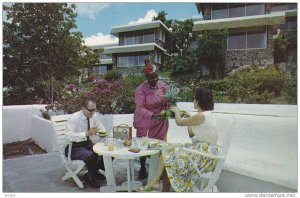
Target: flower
point(72, 86)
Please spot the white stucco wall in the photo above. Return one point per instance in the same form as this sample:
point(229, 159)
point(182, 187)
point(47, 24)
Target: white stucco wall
point(264, 141)
point(16, 121)
point(263, 146)
point(42, 133)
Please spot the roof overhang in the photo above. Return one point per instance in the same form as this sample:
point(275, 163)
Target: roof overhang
point(138, 26)
point(106, 61)
point(133, 48)
point(240, 22)
point(291, 13)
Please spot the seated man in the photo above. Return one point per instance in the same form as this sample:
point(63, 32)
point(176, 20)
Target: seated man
point(81, 130)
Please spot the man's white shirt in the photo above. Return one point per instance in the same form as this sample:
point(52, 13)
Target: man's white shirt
point(77, 126)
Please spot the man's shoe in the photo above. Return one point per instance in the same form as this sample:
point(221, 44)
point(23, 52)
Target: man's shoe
point(100, 176)
point(143, 173)
point(88, 177)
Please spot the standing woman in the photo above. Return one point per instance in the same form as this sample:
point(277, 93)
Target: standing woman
point(148, 104)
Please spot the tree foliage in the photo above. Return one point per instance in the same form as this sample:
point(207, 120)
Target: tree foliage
point(39, 43)
point(211, 52)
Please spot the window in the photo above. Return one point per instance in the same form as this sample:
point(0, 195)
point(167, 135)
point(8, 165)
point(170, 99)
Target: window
point(128, 38)
point(290, 24)
point(142, 58)
point(256, 39)
point(105, 56)
point(237, 41)
point(95, 70)
point(247, 39)
point(157, 57)
point(100, 69)
point(236, 10)
point(279, 7)
point(284, 6)
point(138, 37)
point(292, 6)
point(219, 11)
point(255, 9)
point(132, 59)
point(122, 61)
point(149, 36)
point(161, 35)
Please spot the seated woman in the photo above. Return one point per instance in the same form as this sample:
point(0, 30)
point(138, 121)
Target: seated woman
point(173, 159)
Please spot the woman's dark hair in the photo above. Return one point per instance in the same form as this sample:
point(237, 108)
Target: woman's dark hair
point(204, 98)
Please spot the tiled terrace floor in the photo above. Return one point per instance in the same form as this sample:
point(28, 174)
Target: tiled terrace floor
point(42, 173)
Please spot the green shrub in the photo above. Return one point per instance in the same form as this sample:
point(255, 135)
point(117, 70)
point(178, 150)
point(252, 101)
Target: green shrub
point(133, 79)
point(112, 75)
point(186, 93)
point(270, 80)
point(289, 90)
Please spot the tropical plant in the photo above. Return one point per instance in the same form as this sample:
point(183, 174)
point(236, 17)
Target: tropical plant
point(172, 94)
point(211, 52)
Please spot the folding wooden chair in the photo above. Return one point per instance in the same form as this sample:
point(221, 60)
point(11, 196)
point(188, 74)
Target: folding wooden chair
point(74, 167)
point(206, 182)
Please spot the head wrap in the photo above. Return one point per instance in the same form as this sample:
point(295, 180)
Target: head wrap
point(149, 68)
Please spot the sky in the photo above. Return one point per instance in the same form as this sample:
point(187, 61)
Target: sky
point(95, 20)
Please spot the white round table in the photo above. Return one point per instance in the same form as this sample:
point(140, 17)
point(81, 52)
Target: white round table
point(124, 154)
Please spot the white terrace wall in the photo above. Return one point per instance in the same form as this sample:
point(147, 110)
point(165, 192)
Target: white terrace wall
point(264, 142)
point(16, 121)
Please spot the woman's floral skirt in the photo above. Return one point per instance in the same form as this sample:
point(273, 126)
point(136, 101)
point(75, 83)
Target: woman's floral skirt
point(181, 172)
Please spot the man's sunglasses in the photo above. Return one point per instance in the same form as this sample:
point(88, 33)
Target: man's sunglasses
point(90, 110)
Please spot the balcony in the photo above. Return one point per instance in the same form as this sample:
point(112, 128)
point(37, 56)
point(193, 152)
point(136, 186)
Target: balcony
point(262, 156)
point(275, 18)
point(133, 48)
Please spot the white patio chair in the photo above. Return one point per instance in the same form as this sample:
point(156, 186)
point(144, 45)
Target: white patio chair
point(74, 167)
point(206, 182)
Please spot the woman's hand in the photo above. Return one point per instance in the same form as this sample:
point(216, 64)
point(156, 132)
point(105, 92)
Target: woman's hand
point(174, 109)
point(158, 117)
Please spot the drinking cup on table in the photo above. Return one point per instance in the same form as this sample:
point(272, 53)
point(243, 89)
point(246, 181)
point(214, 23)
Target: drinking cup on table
point(119, 144)
point(134, 144)
point(110, 143)
point(110, 146)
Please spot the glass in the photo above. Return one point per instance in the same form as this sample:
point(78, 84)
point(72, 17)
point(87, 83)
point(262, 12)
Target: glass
point(134, 144)
point(123, 61)
point(149, 36)
point(236, 10)
point(257, 39)
point(119, 144)
point(142, 58)
point(237, 41)
point(133, 60)
point(291, 6)
point(255, 9)
point(110, 143)
point(279, 7)
point(128, 39)
point(219, 11)
point(138, 38)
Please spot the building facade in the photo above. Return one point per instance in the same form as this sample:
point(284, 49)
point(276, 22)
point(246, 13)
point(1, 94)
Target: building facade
point(137, 42)
point(106, 63)
point(251, 27)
